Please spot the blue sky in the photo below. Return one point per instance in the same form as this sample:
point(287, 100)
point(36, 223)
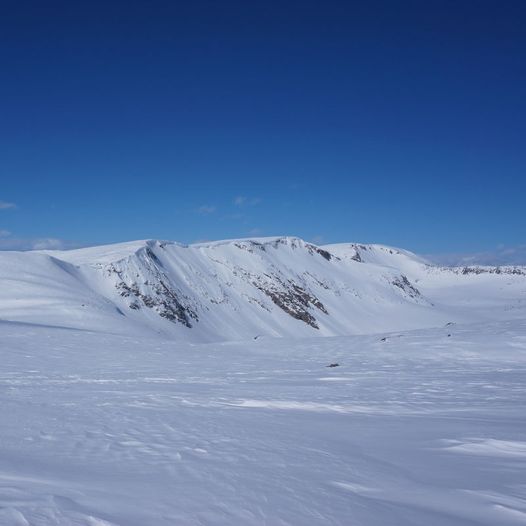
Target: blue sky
point(401, 123)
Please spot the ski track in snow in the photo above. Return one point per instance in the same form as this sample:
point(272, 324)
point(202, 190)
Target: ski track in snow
point(105, 430)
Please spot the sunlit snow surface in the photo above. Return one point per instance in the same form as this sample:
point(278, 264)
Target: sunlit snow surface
point(420, 429)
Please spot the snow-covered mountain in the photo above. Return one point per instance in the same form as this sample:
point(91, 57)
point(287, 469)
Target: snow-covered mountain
point(155, 425)
point(248, 288)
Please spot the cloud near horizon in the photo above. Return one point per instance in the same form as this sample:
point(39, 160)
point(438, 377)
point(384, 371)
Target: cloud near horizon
point(5, 205)
point(41, 243)
point(514, 255)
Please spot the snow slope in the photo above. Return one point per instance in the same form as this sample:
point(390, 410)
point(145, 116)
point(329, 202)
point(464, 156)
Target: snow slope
point(413, 428)
point(469, 293)
point(239, 289)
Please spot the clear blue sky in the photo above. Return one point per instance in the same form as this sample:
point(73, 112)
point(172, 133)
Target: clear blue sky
point(394, 122)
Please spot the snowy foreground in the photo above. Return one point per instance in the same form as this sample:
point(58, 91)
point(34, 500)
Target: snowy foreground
point(420, 429)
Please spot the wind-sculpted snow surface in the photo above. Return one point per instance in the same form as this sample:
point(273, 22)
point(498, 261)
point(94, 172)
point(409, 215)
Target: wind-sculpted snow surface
point(239, 289)
point(408, 428)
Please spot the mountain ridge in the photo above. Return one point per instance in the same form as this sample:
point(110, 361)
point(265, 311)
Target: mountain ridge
point(245, 288)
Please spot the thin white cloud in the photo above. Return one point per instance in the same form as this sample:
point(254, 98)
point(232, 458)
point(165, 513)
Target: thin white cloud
point(40, 243)
point(48, 243)
point(318, 240)
point(5, 233)
point(242, 200)
point(206, 210)
point(502, 255)
point(235, 217)
point(4, 205)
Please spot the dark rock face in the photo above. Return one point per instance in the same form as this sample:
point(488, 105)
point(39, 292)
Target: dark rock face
point(250, 246)
point(317, 250)
point(513, 271)
point(147, 286)
point(406, 286)
point(324, 254)
point(156, 292)
point(295, 243)
point(291, 298)
point(164, 301)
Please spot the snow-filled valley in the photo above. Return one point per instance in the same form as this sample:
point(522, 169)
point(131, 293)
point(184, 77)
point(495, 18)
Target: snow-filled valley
point(152, 383)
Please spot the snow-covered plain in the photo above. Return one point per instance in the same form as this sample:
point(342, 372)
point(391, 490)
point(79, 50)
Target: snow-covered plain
point(151, 383)
point(426, 427)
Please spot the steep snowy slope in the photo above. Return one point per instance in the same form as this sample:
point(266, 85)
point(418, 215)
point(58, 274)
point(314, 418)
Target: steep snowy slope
point(43, 289)
point(469, 293)
point(402, 260)
point(248, 288)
